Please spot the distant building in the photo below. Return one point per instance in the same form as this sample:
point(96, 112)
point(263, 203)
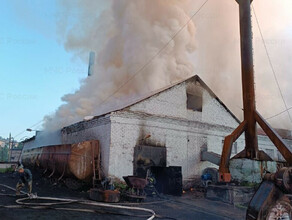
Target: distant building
point(15, 154)
point(2, 143)
point(266, 145)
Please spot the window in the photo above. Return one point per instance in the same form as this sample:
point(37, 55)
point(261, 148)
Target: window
point(194, 102)
point(234, 148)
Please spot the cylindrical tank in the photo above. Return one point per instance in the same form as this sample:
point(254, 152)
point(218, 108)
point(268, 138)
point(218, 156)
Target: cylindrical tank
point(69, 159)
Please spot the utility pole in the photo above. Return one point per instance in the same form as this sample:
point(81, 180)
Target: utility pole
point(9, 147)
point(9, 140)
point(10, 152)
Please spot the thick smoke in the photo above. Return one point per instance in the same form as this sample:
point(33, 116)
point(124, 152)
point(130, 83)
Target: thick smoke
point(125, 37)
point(217, 57)
point(129, 32)
point(275, 18)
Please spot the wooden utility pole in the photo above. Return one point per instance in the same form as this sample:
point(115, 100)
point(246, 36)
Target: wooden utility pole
point(10, 147)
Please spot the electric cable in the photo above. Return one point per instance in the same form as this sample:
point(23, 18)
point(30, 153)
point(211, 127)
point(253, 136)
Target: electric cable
point(29, 127)
point(271, 64)
point(273, 116)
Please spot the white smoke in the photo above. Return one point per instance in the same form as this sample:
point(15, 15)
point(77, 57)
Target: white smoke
point(127, 33)
point(275, 19)
point(125, 37)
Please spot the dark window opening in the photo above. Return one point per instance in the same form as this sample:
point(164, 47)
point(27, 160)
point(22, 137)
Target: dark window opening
point(147, 156)
point(194, 102)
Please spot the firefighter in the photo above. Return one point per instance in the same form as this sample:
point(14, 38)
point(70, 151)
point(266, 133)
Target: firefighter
point(25, 179)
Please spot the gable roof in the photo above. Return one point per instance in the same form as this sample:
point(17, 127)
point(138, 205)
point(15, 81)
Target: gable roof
point(130, 103)
point(194, 78)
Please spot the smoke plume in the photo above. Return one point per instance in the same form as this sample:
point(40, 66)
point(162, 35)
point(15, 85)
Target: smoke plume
point(217, 58)
point(126, 34)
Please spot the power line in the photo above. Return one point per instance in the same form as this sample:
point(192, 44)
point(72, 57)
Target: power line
point(272, 67)
point(152, 58)
point(29, 127)
point(278, 114)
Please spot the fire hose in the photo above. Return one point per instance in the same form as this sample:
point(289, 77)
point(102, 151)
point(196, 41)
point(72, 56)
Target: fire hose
point(21, 203)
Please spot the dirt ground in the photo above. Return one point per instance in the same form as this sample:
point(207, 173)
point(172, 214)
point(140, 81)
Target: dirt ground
point(191, 205)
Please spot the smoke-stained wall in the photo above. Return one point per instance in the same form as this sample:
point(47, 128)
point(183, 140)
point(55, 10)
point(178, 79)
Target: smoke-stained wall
point(183, 132)
point(162, 120)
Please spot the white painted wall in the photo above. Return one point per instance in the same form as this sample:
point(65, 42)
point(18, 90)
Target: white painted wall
point(182, 140)
point(172, 103)
point(166, 118)
point(167, 103)
point(183, 132)
point(215, 113)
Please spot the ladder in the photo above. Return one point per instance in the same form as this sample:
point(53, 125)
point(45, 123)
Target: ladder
point(96, 165)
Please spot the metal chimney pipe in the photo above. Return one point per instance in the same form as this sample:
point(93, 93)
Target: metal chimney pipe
point(251, 142)
point(91, 63)
point(251, 116)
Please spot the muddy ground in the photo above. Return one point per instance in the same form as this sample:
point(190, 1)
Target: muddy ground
point(191, 205)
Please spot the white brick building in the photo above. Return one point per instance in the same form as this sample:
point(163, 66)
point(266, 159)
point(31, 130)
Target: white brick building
point(182, 119)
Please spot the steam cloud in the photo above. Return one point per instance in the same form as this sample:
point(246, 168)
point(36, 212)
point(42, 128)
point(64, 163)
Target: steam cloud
point(127, 33)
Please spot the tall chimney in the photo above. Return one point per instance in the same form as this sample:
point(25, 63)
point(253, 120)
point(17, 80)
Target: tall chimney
point(91, 63)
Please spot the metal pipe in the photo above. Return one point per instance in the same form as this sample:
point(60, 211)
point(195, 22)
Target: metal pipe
point(211, 157)
point(91, 63)
point(251, 142)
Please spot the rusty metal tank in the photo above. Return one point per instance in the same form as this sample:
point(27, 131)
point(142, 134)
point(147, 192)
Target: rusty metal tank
point(68, 160)
point(273, 198)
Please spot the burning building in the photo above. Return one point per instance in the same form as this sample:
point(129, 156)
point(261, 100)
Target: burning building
point(167, 128)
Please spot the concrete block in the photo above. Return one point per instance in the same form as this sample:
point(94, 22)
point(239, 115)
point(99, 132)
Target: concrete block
point(251, 171)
